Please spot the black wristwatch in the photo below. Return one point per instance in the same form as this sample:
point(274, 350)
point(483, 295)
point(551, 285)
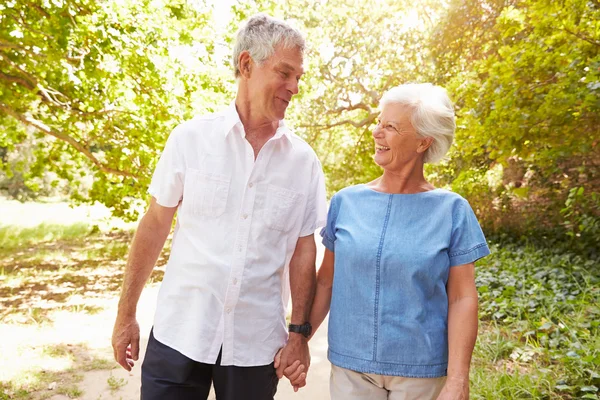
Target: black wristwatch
point(305, 329)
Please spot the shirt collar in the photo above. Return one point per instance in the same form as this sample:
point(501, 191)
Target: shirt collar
point(232, 119)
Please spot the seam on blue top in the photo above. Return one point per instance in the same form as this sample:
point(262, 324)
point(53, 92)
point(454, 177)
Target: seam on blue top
point(463, 252)
point(377, 277)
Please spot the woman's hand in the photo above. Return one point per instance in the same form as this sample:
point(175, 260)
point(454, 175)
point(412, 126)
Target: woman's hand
point(455, 389)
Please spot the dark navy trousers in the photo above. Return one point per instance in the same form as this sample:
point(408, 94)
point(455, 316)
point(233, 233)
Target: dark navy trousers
point(167, 374)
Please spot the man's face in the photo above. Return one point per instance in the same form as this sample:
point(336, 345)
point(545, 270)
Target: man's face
point(274, 82)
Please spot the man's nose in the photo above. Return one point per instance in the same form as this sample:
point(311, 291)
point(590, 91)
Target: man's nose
point(293, 86)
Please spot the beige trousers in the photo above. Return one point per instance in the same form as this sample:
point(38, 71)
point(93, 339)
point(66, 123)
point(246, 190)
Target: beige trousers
point(345, 384)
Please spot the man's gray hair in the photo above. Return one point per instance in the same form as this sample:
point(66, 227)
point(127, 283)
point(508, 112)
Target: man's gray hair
point(432, 115)
point(260, 34)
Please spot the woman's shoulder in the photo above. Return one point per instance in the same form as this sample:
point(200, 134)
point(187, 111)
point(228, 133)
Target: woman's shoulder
point(448, 195)
point(450, 200)
point(350, 192)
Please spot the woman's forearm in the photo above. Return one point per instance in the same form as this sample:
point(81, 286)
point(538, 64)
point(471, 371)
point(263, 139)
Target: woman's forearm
point(462, 334)
point(322, 300)
point(320, 306)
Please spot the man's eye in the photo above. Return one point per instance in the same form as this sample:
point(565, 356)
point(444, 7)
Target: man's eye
point(284, 74)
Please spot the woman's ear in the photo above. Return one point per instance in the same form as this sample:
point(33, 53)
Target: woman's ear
point(424, 144)
point(245, 64)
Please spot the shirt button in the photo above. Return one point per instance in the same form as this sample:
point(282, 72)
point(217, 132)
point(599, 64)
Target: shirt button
point(245, 216)
point(250, 184)
point(234, 281)
point(228, 310)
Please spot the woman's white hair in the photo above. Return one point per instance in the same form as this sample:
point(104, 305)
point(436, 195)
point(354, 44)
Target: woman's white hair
point(432, 115)
point(259, 36)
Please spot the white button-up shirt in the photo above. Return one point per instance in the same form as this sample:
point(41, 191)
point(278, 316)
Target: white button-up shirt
point(226, 283)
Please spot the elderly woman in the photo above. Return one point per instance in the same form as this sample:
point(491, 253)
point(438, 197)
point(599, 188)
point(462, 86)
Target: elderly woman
point(398, 271)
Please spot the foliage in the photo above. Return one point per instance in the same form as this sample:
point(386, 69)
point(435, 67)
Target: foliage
point(582, 218)
point(359, 52)
point(540, 319)
point(103, 84)
point(17, 183)
point(526, 79)
point(107, 81)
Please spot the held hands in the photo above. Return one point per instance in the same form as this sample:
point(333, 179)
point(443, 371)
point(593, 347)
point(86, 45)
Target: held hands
point(293, 361)
point(455, 389)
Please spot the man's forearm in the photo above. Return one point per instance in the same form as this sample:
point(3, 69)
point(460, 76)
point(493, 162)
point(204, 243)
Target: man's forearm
point(462, 334)
point(303, 279)
point(147, 244)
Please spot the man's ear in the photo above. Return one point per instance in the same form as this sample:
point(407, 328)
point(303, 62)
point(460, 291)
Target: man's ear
point(245, 63)
point(425, 144)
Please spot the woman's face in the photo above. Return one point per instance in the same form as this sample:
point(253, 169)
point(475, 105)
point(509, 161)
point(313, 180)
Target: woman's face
point(396, 141)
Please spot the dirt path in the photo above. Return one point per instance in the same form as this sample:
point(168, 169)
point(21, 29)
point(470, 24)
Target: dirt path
point(125, 386)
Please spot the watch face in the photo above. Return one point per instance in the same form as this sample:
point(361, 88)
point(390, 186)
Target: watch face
point(307, 329)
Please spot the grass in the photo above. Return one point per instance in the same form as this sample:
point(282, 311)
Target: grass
point(71, 391)
point(14, 237)
point(48, 268)
point(55, 277)
point(539, 332)
point(54, 369)
point(115, 383)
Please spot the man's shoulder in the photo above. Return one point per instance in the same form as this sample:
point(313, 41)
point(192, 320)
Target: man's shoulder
point(300, 145)
point(202, 123)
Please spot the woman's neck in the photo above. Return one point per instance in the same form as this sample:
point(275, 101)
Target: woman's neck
point(405, 181)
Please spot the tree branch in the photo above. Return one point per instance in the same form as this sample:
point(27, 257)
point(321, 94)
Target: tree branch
point(21, 21)
point(369, 119)
point(21, 70)
point(358, 106)
point(591, 41)
point(16, 79)
point(65, 138)
point(4, 45)
point(371, 93)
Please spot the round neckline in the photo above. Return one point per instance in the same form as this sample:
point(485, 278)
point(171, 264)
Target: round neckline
point(398, 194)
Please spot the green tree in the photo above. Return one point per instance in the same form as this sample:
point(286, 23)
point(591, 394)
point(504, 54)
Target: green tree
point(106, 81)
point(526, 79)
point(356, 51)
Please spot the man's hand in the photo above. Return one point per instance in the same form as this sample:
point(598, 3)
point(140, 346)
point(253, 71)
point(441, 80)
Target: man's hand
point(292, 372)
point(126, 341)
point(293, 361)
point(455, 389)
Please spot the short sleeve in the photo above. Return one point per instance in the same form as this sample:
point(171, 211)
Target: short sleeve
point(328, 232)
point(167, 181)
point(316, 204)
point(467, 243)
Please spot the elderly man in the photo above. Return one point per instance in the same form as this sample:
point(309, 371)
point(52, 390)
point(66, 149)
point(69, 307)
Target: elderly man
point(249, 195)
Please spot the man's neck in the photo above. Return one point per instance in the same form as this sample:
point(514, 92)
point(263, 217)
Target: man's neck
point(255, 125)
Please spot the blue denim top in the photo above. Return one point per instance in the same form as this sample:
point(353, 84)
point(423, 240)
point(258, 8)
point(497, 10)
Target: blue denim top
point(393, 252)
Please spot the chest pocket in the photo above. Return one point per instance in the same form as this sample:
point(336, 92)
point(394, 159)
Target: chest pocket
point(206, 194)
point(281, 208)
